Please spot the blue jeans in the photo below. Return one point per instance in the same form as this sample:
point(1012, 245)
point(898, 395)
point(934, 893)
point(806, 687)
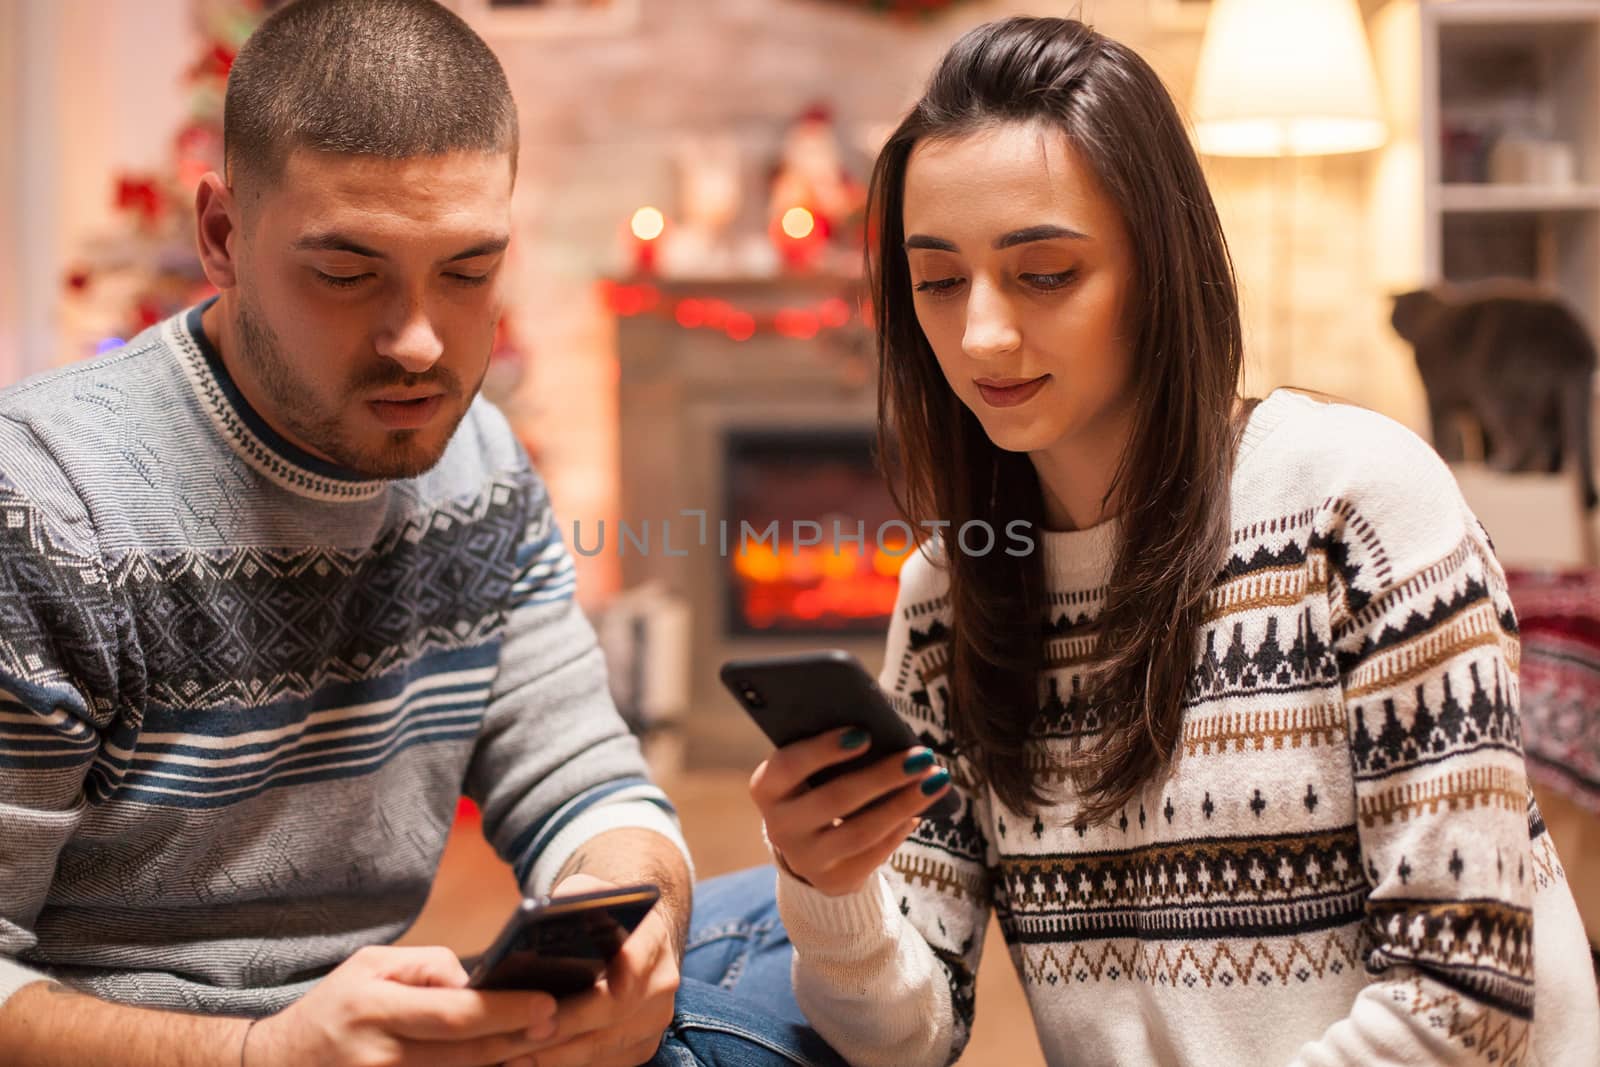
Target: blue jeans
point(736, 1005)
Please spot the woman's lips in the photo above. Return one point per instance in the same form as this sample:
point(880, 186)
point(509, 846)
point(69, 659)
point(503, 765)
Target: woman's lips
point(1008, 393)
point(407, 414)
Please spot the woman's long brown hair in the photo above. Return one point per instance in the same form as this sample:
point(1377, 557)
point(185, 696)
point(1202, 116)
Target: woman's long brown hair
point(1171, 487)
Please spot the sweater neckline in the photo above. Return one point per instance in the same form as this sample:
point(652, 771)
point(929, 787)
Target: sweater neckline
point(1083, 559)
point(245, 431)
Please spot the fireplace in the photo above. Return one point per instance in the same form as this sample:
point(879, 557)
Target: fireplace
point(805, 509)
point(772, 429)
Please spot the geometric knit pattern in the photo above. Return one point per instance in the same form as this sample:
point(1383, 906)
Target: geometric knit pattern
point(241, 690)
point(1346, 817)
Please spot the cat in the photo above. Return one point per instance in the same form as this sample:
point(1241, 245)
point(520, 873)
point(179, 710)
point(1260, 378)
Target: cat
point(1514, 361)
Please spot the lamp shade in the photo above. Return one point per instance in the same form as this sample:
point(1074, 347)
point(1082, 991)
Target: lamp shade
point(1286, 78)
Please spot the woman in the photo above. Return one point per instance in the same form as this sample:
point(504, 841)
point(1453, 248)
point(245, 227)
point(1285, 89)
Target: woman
point(1237, 747)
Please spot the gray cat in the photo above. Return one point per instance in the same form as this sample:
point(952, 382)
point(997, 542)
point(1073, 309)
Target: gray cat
point(1517, 363)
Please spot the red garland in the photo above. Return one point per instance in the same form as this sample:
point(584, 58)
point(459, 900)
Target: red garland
point(695, 313)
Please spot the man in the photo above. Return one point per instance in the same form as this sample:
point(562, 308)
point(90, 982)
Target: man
point(275, 588)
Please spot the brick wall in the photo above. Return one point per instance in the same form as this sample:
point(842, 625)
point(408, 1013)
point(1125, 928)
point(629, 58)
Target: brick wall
point(603, 115)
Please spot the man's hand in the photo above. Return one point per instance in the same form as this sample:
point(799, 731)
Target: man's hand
point(618, 1023)
point(401, 1007)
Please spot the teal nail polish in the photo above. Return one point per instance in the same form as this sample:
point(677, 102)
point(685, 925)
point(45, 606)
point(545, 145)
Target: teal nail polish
point(935, 783)
point(919, 762)
point(854, 738)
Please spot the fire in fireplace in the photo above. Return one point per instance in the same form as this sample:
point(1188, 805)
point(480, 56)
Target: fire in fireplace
point(785, 488)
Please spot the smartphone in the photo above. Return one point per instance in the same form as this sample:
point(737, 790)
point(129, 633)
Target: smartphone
point(561, 945)
point(799, 696)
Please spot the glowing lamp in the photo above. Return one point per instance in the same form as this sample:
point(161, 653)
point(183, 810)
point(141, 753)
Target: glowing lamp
point(1286, 79)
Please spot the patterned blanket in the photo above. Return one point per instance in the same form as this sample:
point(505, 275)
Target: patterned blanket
point(1559, 614)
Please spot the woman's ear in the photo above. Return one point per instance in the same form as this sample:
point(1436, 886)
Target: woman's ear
point(216, 215)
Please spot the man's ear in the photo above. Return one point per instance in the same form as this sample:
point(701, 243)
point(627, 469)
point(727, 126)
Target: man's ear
point(216, 214)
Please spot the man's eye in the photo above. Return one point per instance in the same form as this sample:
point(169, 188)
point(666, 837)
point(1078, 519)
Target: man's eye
point(341, 281)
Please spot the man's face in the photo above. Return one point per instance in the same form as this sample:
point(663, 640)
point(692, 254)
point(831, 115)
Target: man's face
point(367, 298)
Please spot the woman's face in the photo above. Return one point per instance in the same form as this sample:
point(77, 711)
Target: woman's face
point(1021, 270)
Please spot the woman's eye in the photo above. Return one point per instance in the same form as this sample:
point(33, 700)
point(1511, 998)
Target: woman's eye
point(937, 285)
point(1050, 281)
point(468, 279)
point(341, 281)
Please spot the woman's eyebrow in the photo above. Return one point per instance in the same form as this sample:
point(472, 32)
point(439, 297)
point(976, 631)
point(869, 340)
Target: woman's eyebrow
point(1026, 235)
point(1030, 234)
point(937, 244)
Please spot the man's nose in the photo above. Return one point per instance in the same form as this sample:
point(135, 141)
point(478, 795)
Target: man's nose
point(412, 340)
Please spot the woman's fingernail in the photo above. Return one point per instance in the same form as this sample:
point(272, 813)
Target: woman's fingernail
point(854, 738)
point(919, 762)
point(934, 783)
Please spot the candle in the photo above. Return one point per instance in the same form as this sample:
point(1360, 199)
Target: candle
point(647, 226)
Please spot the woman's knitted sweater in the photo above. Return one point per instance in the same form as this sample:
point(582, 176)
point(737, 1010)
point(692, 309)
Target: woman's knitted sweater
point(1343, 864)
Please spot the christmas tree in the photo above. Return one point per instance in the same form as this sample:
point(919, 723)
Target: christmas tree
point(146, 268)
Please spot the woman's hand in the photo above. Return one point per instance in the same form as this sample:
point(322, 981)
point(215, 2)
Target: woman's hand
point(836, 835)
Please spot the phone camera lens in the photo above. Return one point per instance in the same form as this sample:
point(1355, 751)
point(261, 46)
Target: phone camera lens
point(752, 696)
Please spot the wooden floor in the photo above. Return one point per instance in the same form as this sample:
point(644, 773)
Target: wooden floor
point(475, 891)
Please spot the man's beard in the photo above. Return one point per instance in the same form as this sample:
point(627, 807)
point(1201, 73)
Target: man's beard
point(302, 417)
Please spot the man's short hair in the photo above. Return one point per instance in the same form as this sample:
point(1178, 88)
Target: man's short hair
point(388, 78)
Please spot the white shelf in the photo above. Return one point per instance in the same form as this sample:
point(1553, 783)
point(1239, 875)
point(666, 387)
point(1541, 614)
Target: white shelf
point(1507, 64)
point(1466, 198)
point(1460, 12)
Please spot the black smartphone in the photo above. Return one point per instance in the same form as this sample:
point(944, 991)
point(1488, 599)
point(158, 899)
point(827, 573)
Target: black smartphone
point(561, 945)
point(798, 696)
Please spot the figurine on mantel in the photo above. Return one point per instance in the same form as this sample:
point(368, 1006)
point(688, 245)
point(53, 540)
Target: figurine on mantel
point(813, 196)
point(702, 243)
